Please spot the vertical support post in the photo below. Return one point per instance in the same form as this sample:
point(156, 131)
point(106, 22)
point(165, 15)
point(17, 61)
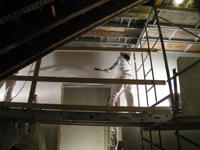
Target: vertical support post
point(136, 76)
point(35, 99)
point(34, 83)
point(143, 31)
point(175, 91)
point(145, 79)
point(142, 144)
point(144, 72)
point(160, 140)
point(150, 138)
point(151, 62)
point(168, 77)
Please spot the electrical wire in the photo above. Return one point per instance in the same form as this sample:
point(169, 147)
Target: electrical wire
point(22, 85)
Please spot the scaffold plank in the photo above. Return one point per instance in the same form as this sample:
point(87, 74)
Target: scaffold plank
point(87, 80)
point(83, 118)
point(86, 107)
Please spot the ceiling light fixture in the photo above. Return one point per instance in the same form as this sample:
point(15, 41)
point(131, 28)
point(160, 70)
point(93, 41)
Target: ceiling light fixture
point(178, 1)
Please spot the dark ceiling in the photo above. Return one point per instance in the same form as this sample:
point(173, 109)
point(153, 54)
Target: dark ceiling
point(32, 29)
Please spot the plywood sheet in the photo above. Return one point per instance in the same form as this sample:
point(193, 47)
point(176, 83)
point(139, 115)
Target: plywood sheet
point(157, 46)
point(117, 29)
point(168, 46)
point(115, 32)
point(194, 48)
point(165, 32)
point(176, 47)
point(189, 86)
point(112, 34)
point(185, 35)
point(183, 18)
point(141, 9)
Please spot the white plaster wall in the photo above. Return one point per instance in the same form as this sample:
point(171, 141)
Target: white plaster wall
point(63, 64)
point(82, 138)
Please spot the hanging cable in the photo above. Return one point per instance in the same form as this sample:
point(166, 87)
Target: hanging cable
point(22, 85)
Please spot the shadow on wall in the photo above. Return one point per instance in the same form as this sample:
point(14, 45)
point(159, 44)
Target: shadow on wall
point(63, 60)
point(78, 61)
point(76, 64)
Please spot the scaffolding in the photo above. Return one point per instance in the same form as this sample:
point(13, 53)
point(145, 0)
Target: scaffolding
point(48, 113)
point(177, 122)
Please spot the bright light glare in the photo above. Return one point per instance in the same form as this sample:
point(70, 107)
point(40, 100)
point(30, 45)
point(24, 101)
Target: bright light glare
point(178, 1)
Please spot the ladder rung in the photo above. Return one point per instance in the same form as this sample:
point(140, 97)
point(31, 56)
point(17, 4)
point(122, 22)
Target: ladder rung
point(139, 67)
point(155, 43)
point(146, 57)
point(150, 88)
point(148, 72)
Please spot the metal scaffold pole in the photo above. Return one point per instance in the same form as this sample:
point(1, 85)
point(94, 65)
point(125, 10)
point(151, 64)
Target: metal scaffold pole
point(168, 78)
point(150, 136)
point(142, 144)
point(160, 140)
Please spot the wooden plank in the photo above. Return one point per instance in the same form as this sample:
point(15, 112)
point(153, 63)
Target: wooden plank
point(106, 28)
point(86, 107)
point(153, 32)
point(169, 46)
point(135, 15)
point(87, 80)
point(157, 46)
point(125, 34)
point(194, 48)
point(104, 49)
point(176, 47)
point(185, 35)
point(141, 9)
point(180, 18)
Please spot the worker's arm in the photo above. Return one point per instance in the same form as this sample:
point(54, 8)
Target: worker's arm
point(114, 65)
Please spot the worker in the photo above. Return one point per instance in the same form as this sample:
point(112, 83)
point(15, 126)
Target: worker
point(9, 85)
point(123, 71)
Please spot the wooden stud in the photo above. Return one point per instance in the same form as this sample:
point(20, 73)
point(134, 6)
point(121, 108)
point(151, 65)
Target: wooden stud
point(34, 82)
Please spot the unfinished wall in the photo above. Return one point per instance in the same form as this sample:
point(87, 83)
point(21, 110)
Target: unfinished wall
point(132, 141)
point(64, 64)
point(190, 85)
point(84, 137)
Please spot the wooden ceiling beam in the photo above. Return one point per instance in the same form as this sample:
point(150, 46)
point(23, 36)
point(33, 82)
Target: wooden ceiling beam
point(104, 49)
